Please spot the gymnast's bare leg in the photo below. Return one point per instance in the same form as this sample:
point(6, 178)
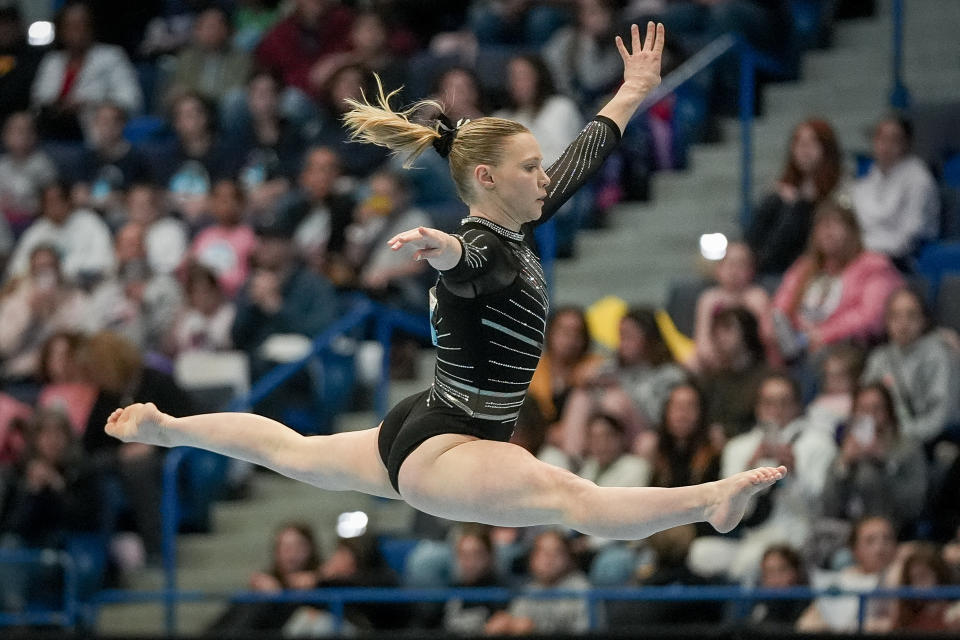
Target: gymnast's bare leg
point(451, 476)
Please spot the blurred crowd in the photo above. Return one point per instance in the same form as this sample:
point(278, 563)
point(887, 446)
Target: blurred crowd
point(182, 211)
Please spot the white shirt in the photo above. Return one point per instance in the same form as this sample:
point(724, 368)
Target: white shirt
point(83, 241)
point(796, 501)
point(106, 76)
point(897, 208)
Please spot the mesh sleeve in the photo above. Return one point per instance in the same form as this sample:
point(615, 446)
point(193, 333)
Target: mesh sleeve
point(579, 162)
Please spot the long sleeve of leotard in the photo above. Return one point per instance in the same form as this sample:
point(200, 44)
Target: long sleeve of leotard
point(579, 162)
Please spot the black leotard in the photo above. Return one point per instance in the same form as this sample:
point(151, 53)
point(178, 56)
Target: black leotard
point(488, 315)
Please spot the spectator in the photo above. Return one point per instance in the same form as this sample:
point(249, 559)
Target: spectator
point(206, 319)
point(878, 471)
point(318, 212)
point(781, 223)
point(873, 543)
point(79, 236)
point(79, 75)
point(63, 387)
point(111, 165)
point(347, 83)
point(551, 567)
point(532, 100)
point(921, 568)
point(730, 389)
point(116, 367)
point(608, 462)
point(918, 367)
point(168, 30)
point(357, 562)
point(166, 237)
point(459, 90)
point(781, 436)
point(473, 567)
point(252, 19)
point(836, 290)
point(273, 144)
point(508, 22)
point(38, 305)
point(301, 42)
point(280, 297)
point(681, 453)
point(566, 361)
point(199, 158)
point(294, 565)
point(583, 66)
point(13, 416)
point(209, 66)
point(137, 303)
point(780, 568)
point(632, 385)
point(379, 271)
point(24, 170)
point(17, 77)
point(370, 48)
point(57, 492)
point(735, 288)
point(839, 375)
point(226, 246)
point(896, 202)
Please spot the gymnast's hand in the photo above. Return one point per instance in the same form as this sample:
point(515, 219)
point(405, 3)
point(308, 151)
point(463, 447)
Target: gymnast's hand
point(641, 68)
point(440, 249)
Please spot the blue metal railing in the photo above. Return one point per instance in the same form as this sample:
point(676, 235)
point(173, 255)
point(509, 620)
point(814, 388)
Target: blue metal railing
point(64, 617)
point(899, 95)
point(335, 599)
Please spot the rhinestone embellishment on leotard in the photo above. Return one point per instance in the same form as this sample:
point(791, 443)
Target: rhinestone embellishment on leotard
point(512, 235)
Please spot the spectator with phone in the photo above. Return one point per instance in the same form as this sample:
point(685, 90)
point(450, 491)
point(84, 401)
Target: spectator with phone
point(919, 368)
point(877, 471)
point(782, 436)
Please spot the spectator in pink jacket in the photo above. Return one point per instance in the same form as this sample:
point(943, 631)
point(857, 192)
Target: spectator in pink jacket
point(835, 291)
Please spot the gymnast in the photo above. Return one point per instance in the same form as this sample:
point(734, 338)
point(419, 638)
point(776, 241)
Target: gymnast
point(445, 451)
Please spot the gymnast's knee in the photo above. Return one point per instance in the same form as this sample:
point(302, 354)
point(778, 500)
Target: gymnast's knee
point(576, 498)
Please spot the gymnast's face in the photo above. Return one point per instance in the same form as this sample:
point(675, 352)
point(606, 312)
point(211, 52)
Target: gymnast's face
point(518, 184)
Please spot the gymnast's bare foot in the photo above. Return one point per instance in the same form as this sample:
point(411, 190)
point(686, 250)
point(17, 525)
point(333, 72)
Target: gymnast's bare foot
point(138, 423)
point(734, 494)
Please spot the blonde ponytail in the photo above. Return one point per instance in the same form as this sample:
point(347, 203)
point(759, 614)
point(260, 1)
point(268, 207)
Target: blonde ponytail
point(381, 125)
point(473, 142)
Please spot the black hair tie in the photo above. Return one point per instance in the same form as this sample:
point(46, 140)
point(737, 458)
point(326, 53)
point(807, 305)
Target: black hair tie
point(447, 131)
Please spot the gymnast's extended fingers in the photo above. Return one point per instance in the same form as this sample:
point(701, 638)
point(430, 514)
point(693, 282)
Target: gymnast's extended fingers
point(622, 48)
point(401, 239)
point(650, 38)
point(635, 46)
point(658, 44)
